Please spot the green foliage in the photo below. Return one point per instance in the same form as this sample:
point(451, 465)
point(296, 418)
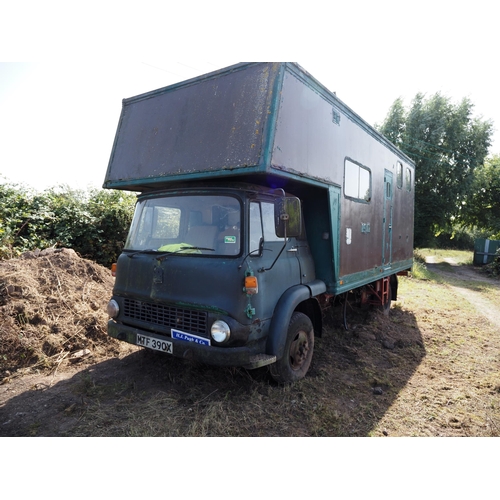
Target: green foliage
point(456, 238)
point(493, 268)
point(482, 205)
point(14, 215)
point(112, 212)
point(447, 144)
point(94, 223)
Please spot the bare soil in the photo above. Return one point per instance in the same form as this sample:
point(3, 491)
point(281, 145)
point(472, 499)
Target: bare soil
point(52, 326)
point(429, 369)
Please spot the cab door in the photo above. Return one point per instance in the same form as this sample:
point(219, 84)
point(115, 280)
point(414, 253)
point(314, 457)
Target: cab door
point(274, 274)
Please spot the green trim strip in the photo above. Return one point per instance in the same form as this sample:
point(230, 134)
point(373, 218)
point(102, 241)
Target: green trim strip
point(356, 280)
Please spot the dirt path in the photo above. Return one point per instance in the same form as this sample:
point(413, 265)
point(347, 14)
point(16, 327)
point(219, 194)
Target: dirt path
point(459, 278)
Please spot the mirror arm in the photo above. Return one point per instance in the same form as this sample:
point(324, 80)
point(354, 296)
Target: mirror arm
point(262, 269)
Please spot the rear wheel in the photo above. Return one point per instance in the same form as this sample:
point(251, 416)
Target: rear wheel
point(298, 351)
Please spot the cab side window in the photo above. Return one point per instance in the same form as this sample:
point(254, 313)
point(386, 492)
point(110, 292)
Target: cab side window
point(256, 231)
point(268, 222)
point(262, 223)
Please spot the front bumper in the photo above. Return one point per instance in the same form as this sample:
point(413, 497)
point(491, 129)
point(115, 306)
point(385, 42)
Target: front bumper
point(250, 357)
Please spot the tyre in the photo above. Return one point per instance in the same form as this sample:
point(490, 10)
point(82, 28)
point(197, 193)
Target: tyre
point(299, 347)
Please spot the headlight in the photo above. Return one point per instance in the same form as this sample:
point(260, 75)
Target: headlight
point(113, 308)
point(220, 331)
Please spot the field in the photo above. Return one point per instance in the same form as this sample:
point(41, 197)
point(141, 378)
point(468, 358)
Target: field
point(429, 369)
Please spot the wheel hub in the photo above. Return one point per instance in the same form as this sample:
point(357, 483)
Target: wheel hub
point(298, 350)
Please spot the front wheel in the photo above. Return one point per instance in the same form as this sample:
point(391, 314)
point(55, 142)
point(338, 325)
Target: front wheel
point(298, 351)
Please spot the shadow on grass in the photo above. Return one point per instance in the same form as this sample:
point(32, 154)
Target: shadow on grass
point(355, 377)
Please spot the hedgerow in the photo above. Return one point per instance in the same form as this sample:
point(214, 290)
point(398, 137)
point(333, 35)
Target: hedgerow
point(94, 222)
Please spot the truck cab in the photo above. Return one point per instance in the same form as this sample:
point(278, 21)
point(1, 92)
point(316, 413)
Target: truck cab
point(203, 272)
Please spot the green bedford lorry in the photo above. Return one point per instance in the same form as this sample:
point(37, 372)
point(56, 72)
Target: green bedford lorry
point(262, 198)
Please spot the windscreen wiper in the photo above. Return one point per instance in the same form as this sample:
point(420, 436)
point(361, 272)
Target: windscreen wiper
point(148, 250)
point(165, 253)
point(181, 249)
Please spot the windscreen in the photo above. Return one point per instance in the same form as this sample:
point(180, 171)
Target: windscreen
point(188, 225)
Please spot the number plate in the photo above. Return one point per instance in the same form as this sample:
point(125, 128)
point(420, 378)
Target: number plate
point(156, 344)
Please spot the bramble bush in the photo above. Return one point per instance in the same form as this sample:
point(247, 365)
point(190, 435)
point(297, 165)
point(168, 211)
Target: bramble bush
point(94, 222)
point(493, 268)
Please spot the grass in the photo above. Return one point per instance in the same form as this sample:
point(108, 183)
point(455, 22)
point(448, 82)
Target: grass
point(461, 257)
point(429, 369)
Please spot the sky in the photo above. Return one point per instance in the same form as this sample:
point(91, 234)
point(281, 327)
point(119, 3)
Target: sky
point(60, 108)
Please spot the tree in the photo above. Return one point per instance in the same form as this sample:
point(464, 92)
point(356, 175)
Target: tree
point(447, 144)
point(482, 207)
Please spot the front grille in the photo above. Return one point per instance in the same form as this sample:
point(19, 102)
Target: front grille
point(171, 317)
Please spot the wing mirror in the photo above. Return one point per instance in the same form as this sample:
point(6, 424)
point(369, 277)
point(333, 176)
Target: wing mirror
point(288, 217)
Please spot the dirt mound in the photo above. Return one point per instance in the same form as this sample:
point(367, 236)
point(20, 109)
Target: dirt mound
point(53, 311)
